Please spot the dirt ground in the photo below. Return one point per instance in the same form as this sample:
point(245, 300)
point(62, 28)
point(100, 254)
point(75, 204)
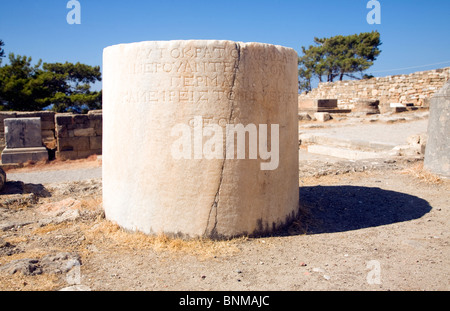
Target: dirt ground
point(361, 228)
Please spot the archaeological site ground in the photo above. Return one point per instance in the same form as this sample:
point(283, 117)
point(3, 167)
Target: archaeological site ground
point(371, 217)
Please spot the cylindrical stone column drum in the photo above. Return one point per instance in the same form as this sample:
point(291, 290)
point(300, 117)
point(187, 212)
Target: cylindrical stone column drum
point(200, 137)
point(437, 152)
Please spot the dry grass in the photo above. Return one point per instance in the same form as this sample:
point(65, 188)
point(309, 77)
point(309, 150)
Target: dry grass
point(93, 203)
point(418, 171)
point(16, 239)
point(20, 282)
point(50, 228)
point(34, 253)
point(109, 234)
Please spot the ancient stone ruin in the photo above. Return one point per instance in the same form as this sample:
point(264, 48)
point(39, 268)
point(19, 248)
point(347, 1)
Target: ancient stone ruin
point(23, 141)
point(200, 137)
point(437, 153)
point(79, 136)
point(416, 89)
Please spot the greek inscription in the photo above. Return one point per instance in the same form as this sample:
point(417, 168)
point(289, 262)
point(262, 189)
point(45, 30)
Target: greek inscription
point(199, 96)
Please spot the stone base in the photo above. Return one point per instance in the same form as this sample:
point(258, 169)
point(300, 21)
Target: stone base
point(22, 155)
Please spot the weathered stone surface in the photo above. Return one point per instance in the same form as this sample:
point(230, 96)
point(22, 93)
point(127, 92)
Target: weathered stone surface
point(437, 153)
point(322, 116)
point(95, 142)
point(26, 266)
point(23, 141)
point(64, 119)
point(303, 116)
point(8, 249)
point(22, 155)
point(44, 115)
point(60, 263)
point(79, 136)
point(317, 105)
point(73, 143)
point(23, 133)
point(366, 106)
point(53, 264)
point(151, 87)
point(84, 132)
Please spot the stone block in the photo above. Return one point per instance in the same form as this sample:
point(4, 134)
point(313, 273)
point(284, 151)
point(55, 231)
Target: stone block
point(80, 119)
point(7, 115)
point(96, 112)
point(366, 106)
point(317, 105)
point(95, 142)
point(327, 103)
point(322, 116)
point(95, 116)
point(99, 130)
point(48, 125)
point(46, 116)
point(73, 144)
point(84, 125)
point(61, 131)
point(66, 155)
point(84, 132)
point(23, 133)
point(64, 119)
point(303, 116)
point(22, 155)
point(97, 151)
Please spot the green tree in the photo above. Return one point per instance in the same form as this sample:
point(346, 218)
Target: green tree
point(310, 65)
point(21, 86)
point(338, 57)
point(71, 84)
point(61, 87)
point(2, 51)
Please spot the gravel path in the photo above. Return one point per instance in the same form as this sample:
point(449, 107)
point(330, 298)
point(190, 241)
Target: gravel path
point(56, 176)
point(396, 133)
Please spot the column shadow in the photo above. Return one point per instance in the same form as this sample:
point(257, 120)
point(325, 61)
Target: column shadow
point(18, 187)
point(327, 209)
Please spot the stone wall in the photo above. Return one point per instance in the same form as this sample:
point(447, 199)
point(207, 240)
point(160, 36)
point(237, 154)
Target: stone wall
point(416, 88)
point(72, 136)
point(78, 136)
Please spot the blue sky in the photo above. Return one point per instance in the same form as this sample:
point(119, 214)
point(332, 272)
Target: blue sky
point(414, 33)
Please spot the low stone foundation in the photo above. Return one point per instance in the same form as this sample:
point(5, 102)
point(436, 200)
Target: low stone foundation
point(78, 136)
point(64, 135)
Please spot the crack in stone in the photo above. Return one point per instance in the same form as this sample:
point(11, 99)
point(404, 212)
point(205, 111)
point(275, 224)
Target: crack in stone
point(215, 204)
